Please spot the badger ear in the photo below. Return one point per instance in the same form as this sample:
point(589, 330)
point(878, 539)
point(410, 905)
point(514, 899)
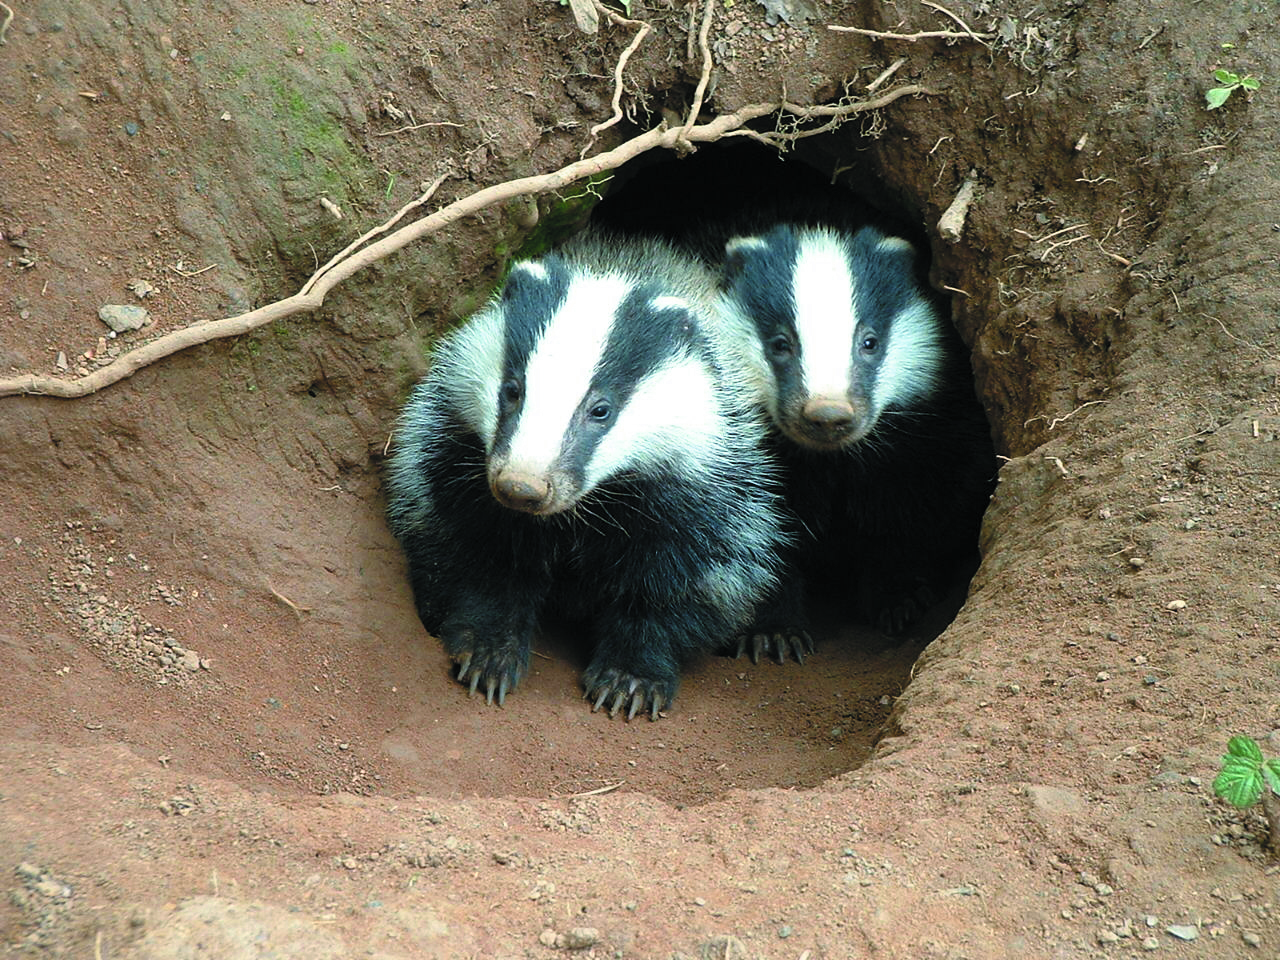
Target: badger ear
point(892, 245)
point(736, 253)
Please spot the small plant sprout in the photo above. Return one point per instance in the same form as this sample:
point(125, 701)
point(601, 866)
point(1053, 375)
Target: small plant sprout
point(1247, 777)
point(1230, 82)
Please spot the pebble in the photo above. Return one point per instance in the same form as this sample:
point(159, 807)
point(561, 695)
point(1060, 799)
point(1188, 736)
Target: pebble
point(579, 938)
point(28, 872)
point(1183, 931)
point(121, 317)
point(1150, 943)
point(1176, 605)
point(547, 937)
point(1107, 936)
point(140, 288)
point(1252, 939)
point(131, 128)
point(51, 888)
point(191, 661)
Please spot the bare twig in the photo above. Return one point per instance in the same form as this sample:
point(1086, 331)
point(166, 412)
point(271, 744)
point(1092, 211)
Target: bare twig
point(8, 19)
point(634, 45)
point(417, 126)
point(951, 223)
point(607, 788)
point(911, 37)
point(963, 26)
point(1241, 340)
point(313, 293)
point(297, 610)
point(383, 228)
point(1057, 420)
point(879, 81)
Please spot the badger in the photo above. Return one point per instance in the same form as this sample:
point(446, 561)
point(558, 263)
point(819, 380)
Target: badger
point(886, 452)
point(583, 446)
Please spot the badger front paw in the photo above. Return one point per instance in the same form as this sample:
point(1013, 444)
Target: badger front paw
point(613, 688)
point(495, 665)
point(780, 643)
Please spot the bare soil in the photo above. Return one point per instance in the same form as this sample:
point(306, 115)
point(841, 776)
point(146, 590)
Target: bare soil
point(225, 733)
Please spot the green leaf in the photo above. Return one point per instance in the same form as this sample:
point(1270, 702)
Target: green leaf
point(1225, 76)
point(1244, 747)
point(1217, 97)
point(1271, 772)
point(1239, 783)
point(1249, 83)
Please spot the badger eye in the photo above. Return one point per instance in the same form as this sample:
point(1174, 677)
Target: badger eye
point(509, 393)
point(870, 343)
point(600, 412)
point(780, 346)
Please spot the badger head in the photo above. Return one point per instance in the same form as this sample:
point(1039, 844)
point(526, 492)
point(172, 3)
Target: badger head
point(836, 326)
point(576, 376)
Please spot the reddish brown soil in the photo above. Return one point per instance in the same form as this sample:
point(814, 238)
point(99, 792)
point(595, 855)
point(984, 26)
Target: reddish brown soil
point(225, 733)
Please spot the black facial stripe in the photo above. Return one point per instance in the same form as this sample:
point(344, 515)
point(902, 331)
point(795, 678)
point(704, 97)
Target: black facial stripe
point(529, 302)
point(885, 282)
point(642, 337)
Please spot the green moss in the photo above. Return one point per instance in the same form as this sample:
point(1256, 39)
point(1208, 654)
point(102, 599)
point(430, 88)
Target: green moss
point(563, 218)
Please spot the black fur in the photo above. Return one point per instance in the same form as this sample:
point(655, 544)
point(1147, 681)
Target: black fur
point(638, 560)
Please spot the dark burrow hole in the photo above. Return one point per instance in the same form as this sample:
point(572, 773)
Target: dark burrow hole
point(734, 724)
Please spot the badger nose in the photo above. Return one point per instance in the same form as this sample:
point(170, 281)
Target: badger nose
point(522, 491)
point(829, 413)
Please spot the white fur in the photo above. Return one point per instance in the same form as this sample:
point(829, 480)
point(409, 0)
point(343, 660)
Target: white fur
point(912, 365)
point(533, 268)
point(558, 370)
point(824, 290)
point(473, 358)
point(745, 243)
point(670, 303)
point(672, 418)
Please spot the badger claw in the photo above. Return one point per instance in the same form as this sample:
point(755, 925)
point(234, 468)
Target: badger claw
point(495, 668)
point(623, 693)
point(780, 644)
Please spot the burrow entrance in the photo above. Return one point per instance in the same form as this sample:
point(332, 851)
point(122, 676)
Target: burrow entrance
point(291, 586)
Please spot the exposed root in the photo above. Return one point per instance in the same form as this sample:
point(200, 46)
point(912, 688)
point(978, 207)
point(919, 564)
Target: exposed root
point(8, 19)
point(708, 10)
point(352, 260)
point(968, 33)
point(641, 33)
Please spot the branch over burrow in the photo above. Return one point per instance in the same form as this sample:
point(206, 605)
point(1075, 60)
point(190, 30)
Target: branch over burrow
point(313, 292)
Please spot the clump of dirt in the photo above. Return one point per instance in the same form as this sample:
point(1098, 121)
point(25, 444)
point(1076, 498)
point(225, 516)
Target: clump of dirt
point(222, 718)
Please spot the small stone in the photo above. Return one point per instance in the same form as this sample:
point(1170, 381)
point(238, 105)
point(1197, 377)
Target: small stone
point(131, 128)
point(51, 888)
point(579, 938)
point(191, 661)
point(1103, 676)
point(1176, 605)
point(1137, 562)
point(1150, 943)
point(122, 317)
point(348, 862)
point(140, 288)
point(547, 937)
point(1103, 889)
point(784, 931)
point(1252, 939)
point(1107, 936)
point(62, 360)
point(27, 871)
point(1183, 931)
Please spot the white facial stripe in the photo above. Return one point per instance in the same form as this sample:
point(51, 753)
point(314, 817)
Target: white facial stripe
point(824, 290)
point(561, 366)
point(893, 245)
point(671, 417)
point(912, 363)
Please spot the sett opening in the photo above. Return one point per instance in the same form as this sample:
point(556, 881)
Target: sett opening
point(736, 724)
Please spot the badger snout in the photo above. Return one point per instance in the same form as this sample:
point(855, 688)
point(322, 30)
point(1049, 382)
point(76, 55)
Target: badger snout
point(523, 491)
point(827, 423)
point(829, 414)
